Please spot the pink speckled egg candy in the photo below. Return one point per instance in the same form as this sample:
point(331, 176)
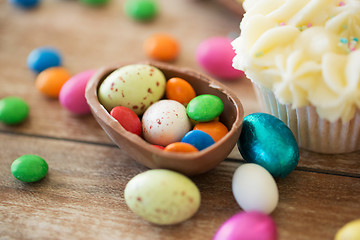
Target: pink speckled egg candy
point(134, 86)
point(247, 225)
point(165, 122)
point(72, 93)
point(215, 55)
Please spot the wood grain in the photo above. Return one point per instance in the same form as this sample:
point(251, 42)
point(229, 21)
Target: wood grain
point(82, 195)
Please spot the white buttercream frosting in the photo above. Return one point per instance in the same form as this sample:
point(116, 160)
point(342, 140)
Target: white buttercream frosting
point(306, 51)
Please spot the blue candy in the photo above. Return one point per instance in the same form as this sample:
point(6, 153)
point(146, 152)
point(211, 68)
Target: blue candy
point(42, 58)
point(267, 141)
point(26, 4)
point(198, 139)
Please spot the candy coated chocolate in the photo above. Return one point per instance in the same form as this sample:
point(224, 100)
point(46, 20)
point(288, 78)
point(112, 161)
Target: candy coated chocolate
point(13, 110)
point(142, 10)
point(72, 93)
point(25, 4)
point(42, 58)
point(215, 55)
point(127, 118)
point(29, 168)
point(95, 2)
point(255, 189)
point(247, 225)
point(198, 139)
point(204, 108)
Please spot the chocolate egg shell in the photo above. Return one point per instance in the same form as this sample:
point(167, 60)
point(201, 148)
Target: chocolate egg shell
point(267, 141)
point(145, 153)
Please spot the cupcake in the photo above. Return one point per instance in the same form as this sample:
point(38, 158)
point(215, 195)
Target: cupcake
point(303, 58)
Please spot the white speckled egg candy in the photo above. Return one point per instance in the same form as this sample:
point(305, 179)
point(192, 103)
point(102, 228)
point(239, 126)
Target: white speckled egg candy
point(162, 196)
point(165, 122)
point(135, 86)
point(255, 189)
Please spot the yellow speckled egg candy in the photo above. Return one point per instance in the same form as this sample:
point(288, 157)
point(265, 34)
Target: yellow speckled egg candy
point(162, 197)
point(135, 86)
point(350, 231)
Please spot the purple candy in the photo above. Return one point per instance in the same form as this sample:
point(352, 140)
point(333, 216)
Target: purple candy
point(247, 226)
point(72, 94)
point(215, 55)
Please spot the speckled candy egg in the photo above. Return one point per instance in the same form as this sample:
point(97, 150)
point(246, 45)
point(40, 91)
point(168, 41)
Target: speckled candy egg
point(350, 231)
point(162, 196)
point(247, 225)
point(135, 86)
point(165, 122)
point(267, 141)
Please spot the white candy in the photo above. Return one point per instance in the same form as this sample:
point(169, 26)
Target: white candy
point(255, 189)
point(165, 122)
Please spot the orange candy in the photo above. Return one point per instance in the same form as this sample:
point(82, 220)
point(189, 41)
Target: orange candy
point(180, 147)
point(50, 81)
point(179, 90)
point(215, 129)
point(161, 47)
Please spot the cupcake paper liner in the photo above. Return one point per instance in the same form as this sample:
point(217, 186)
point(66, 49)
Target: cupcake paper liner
point(310, 130)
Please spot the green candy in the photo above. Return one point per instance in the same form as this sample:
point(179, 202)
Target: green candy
point(95, 2)
point(13, 110)
point(141, 9)
point(204, 108)
point(29, 168)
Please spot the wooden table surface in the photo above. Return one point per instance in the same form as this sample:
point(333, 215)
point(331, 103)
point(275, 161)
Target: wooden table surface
point(82, 195)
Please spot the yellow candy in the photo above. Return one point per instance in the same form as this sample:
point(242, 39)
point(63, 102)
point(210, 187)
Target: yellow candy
point(350, 231)
point(162, 196)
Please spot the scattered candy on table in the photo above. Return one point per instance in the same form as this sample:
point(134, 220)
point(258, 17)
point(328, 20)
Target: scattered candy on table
point(72, 93)
point(267, 141)
point(165, 122)
point(215, 55)
point(142, 10)
point(179, 90)
point(13, 110)
point(50, 81)
point(42, 58)
point(350, 231)
point(180, 147)
point(135, 86)
point(214, 128)
point(254, 188)
point(198, 139)
point(162, 47)
point(25, 4)
point(29, 168)
point(127, 118)
point(95, 2)
point(162, 196)
point(204, 108)
point(247, 225)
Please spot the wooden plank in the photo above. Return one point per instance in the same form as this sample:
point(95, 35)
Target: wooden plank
point(82, 197)
point(339, 164)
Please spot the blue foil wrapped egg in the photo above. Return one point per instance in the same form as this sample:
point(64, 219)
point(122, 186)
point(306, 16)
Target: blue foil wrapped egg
point(267, 141)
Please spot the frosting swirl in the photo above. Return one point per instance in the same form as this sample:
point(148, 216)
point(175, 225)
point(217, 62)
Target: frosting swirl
point(307, 52)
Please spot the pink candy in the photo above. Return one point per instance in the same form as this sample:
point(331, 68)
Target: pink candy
point(215, 55)
point(247, 225)
point(72, 94)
